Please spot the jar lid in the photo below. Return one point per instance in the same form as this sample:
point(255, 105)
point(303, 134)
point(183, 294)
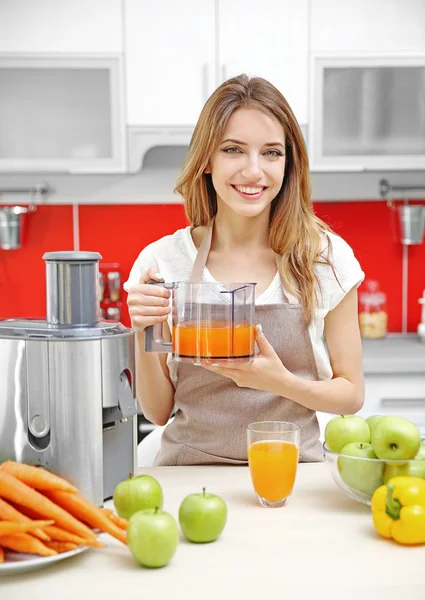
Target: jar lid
point(376, 299)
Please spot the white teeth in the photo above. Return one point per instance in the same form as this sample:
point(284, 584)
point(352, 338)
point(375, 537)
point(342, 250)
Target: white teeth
point(248, 190)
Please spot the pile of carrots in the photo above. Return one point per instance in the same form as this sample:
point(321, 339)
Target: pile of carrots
point(42, 513)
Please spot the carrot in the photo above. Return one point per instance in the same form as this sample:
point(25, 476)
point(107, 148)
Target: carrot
point(11, 527)
point(119, 521)
point(1, 555)
point(9, 513)
point(86, 511)
point(16, 491)
point(60, 535)
point(61, 546)
point(36, 477)
point(24, 542)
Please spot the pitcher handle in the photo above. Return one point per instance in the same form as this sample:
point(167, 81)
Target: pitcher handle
point(154, 341)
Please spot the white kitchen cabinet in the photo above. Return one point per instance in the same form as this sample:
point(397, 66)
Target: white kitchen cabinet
point(368, 112)
point(176, 57)
point(61, 26)
point(401, 394)
point(368, 27)
point(367, 85)
point(269, 41)
point(169, 52)
point(62, 114)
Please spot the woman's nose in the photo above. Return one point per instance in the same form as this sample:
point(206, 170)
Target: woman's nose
point(252, 169)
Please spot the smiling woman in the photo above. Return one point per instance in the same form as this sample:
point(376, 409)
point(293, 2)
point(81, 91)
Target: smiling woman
point(246, 190)
point(253, 166)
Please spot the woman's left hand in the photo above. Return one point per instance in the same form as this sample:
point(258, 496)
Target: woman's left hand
point(266, 372)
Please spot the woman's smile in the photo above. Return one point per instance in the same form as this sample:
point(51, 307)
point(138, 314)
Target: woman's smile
point(250, 192)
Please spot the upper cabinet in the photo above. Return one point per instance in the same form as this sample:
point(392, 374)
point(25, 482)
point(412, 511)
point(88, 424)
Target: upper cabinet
point(61, 114)
point(89, 86)
point(169, 50)
point(367, 26)
point(269, 40)
point(62, 88)
point(176, 57)
point(367, 92)
point(56, 26)
point(368, 114)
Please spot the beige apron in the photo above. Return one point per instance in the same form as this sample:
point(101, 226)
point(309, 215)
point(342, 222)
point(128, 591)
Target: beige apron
point(212, 412)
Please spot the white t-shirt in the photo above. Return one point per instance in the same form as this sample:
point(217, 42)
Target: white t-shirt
point(174, 255)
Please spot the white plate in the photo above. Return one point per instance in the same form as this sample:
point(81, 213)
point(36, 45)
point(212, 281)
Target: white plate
point(22, 563)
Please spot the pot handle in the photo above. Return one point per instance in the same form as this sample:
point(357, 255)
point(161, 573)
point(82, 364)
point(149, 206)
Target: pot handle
point(154, 341)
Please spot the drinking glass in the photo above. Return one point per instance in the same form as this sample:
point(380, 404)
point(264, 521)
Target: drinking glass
point(273, 451)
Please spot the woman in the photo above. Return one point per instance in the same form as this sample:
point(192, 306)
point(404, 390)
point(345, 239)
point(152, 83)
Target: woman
point(246, 191)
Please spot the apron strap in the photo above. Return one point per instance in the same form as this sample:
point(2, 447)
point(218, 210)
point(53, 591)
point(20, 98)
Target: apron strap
point(202, 255)
point(201, 261)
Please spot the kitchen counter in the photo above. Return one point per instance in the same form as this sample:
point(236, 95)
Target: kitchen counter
point(394, 354)
point(321, 545)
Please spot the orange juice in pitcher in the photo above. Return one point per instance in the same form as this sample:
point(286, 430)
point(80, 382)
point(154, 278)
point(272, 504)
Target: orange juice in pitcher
point(210, 322)
point(216, 340)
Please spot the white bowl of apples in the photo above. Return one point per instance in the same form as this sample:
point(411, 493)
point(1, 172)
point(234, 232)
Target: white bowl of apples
point(364, 454)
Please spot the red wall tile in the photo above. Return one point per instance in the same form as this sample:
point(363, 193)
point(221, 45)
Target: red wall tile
point(367, 227)
point(22, 271)
point(119, 232)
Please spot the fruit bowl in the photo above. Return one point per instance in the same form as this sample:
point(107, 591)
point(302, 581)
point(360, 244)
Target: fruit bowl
point(359, 477)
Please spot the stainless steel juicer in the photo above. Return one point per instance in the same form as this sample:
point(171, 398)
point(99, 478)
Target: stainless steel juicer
point(67, 383)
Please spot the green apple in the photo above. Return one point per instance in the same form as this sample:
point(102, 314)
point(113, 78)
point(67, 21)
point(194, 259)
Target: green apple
point(137, 493)
point(421, 454)
point(345, 429)
point(395, 438)
point(410, 468)
point(202, 517)
point(152, 536)
point(362, 475)
point(372, 421)
point(417, 469)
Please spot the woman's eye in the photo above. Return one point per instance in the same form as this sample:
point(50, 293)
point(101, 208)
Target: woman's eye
point(231, 150)
point(273, 153)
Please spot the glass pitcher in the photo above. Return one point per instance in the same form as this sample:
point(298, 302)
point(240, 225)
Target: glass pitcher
point(211, 323)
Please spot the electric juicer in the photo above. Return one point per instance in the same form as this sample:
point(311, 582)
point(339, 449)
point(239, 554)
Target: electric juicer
point(67, 399)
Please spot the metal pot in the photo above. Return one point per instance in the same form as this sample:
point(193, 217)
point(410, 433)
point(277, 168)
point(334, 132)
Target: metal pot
point(11, 226)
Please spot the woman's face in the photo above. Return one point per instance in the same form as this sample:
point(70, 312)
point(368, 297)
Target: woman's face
point(248, 166)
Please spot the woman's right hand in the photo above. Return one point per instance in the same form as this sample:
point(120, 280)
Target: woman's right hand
point(148, 304)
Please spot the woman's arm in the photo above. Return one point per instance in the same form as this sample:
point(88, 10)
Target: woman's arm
point(154, 389)
point(149, 305)
point(344, 393)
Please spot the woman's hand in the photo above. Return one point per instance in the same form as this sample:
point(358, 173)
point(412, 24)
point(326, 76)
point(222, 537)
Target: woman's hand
point(265, 372)
point(148, 304)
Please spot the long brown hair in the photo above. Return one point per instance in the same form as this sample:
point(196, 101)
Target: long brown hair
point(296, 234)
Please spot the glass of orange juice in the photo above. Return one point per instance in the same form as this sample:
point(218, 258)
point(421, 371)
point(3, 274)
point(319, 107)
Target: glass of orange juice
point(273, 450)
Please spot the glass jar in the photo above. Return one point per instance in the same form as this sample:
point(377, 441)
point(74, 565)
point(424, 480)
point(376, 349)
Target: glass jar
point(373, 317)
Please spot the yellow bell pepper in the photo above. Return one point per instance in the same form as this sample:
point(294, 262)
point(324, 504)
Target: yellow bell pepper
point(398, 510)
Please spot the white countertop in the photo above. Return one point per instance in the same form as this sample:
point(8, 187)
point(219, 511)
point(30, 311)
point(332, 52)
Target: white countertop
point(321, 545)
point(396, 354)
